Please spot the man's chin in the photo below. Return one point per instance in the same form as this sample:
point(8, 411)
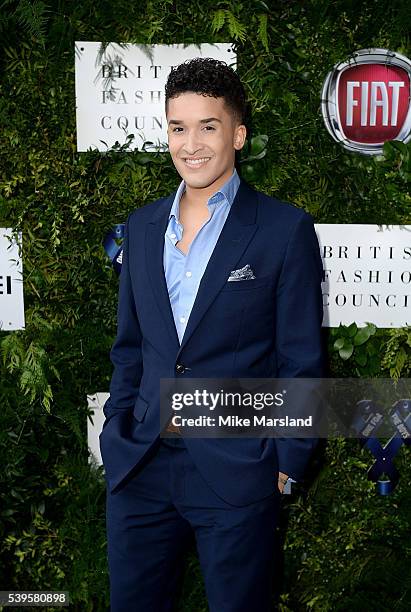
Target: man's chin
point(198, 182)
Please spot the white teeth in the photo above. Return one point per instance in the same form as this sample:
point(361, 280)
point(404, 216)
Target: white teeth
point(196, 162)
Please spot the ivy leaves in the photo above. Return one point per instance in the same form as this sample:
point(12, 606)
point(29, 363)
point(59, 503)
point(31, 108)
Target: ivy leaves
point(352, 343)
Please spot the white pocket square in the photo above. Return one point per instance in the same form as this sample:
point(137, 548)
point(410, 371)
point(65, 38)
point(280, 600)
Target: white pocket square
point(245, 273)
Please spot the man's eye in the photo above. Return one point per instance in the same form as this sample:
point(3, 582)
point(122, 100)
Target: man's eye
point(206, 127)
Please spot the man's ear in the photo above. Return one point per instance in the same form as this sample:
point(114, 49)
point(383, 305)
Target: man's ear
point(239, 137)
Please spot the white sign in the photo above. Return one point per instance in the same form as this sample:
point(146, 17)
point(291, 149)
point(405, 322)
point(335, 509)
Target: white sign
point(121, 91)
point(11, 282)
point(367, 274)
point(96, 403)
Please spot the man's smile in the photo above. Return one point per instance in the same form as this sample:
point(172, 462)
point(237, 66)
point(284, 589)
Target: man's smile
point(198, 162)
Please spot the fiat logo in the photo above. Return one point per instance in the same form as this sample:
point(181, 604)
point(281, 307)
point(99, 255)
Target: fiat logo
point(366, 100)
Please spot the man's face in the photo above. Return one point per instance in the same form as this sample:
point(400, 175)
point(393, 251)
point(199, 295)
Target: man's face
point(201, 128)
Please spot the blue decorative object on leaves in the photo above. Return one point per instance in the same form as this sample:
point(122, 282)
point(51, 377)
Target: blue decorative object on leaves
point(367, 423)
point(113, 250)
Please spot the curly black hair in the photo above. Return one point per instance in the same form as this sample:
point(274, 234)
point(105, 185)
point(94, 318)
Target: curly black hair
point(209, 77)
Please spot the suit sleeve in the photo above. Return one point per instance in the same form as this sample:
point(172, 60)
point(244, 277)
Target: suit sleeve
point(126, 352)
point(298, 330)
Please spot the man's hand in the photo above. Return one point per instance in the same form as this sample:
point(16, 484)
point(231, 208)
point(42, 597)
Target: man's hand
point(282, 479)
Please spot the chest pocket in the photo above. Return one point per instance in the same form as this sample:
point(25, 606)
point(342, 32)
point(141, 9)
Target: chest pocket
point(248, 285)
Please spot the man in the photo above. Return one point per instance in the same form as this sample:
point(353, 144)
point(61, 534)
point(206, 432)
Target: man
point(179, 316)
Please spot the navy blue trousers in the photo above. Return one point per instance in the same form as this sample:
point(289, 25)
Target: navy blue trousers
point(151, 519)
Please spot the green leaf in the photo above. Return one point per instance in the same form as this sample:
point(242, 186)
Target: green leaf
point(372, 328)
point(346, 351)
point(399, 146)
point(339, 343)
point(352, 330)
point(361, 336)
point(262, 30)
point(258, 144)
point(218, 20)
point(236, 29)
point(361, 359)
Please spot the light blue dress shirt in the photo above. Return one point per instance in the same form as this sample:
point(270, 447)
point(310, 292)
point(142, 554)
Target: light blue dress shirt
point(183, 273)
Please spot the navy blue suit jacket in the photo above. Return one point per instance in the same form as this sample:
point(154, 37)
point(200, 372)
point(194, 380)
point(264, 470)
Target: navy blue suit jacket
point(266, 327)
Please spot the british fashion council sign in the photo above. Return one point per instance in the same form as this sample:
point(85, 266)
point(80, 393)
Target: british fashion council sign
point(366, 100)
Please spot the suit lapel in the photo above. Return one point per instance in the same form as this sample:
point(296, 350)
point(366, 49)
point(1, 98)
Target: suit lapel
point(234, 238)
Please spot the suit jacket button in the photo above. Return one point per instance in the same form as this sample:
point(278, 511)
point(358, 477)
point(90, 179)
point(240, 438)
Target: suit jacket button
point(180, 369)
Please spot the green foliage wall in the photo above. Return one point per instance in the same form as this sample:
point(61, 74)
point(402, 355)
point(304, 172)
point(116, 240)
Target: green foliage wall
point(345, 547)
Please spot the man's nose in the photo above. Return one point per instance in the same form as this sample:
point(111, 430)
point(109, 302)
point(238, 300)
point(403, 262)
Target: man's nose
point(192, 143)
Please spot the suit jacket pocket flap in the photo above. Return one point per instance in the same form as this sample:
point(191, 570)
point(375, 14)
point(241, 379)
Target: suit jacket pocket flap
point(140, 408)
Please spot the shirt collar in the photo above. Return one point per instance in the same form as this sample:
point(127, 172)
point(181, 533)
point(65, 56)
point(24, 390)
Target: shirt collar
point(228, 192)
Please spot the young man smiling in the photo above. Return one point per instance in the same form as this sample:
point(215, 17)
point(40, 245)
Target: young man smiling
point(179, 315)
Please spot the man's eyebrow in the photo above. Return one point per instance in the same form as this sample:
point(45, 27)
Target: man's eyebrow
point(208, 120)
